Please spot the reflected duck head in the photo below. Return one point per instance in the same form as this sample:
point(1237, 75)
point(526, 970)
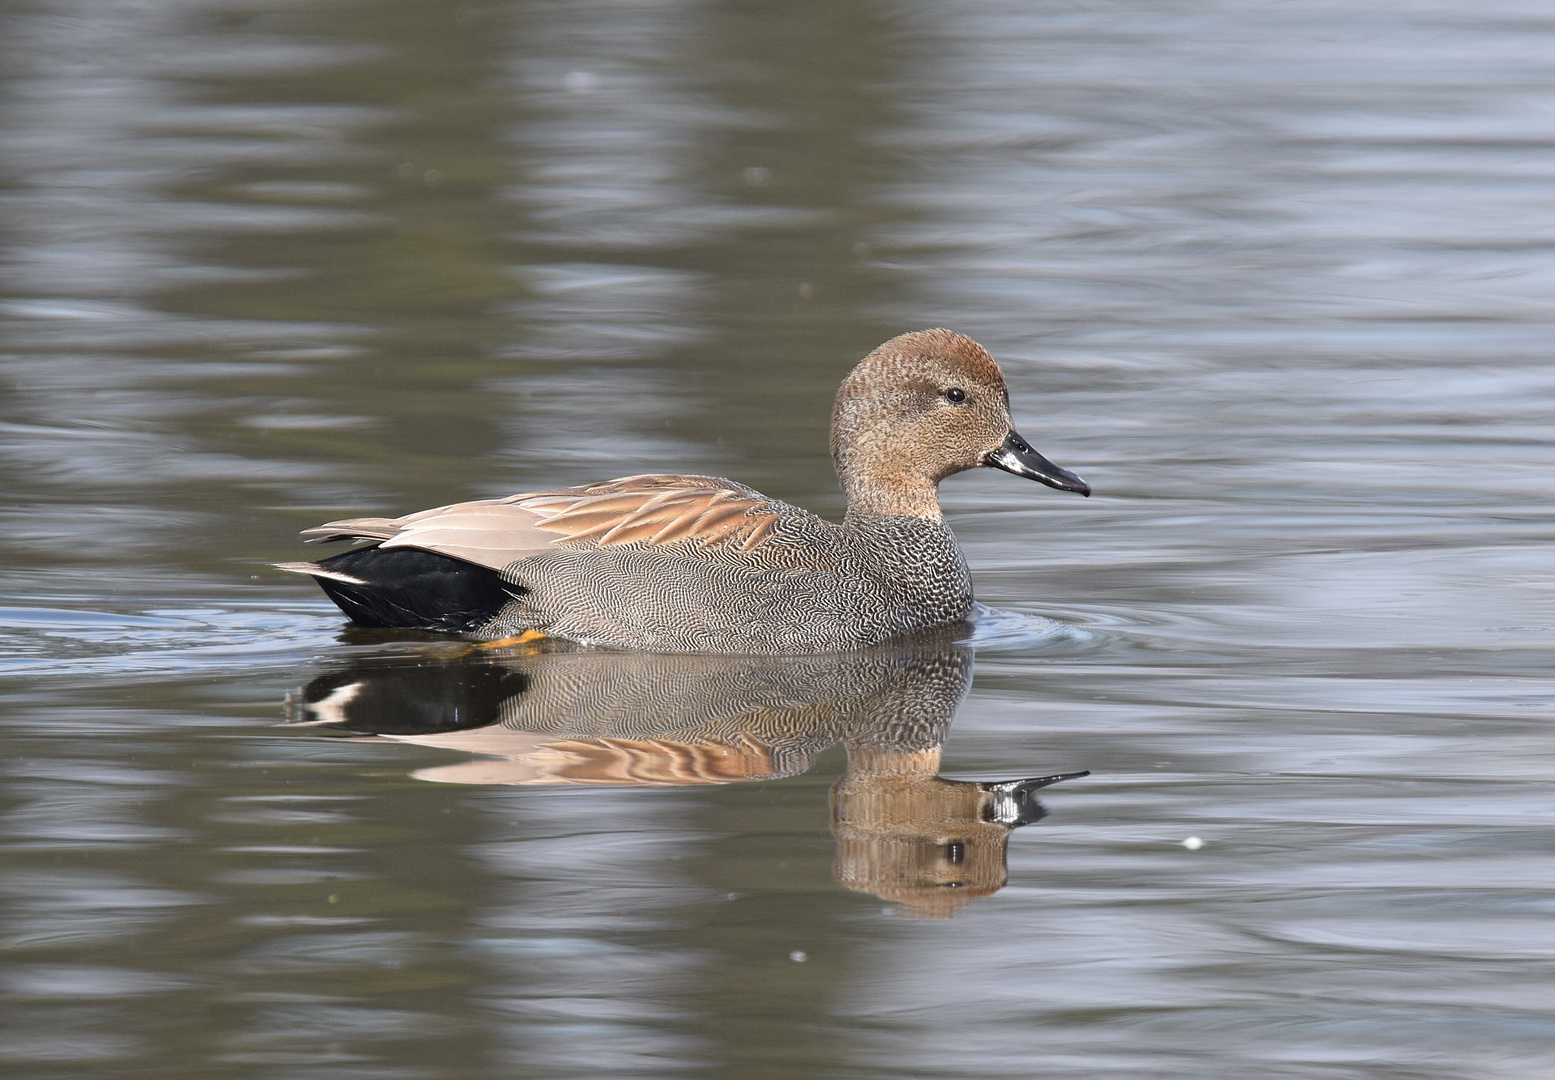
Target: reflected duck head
point(922, 407)
point(914, 838)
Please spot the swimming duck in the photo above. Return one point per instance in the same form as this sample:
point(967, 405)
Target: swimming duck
point(702, 564)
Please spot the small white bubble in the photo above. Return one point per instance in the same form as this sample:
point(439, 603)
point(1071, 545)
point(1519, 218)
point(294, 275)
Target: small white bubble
point(580, 82)
point(1193, 843)
point(798, 956)
point(757, 175)
point(806, 290)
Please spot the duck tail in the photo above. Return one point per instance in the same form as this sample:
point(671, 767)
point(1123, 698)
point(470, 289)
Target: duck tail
point(314, 570)
point(410, 589)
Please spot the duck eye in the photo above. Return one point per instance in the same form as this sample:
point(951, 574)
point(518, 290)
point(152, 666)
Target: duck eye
point(956, 395)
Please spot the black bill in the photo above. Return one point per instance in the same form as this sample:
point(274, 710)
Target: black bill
point(1016, 455)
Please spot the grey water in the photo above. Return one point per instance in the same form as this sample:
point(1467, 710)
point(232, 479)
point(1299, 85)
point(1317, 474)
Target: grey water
point(1276, 278)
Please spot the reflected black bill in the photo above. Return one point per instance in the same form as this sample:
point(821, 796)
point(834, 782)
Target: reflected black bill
point(1017, 456)
point(1013, 804)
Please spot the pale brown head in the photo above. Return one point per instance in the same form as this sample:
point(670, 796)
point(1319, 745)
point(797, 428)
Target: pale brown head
point(922, 407)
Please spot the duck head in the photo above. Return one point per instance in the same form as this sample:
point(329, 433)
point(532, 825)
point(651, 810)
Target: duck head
point(920, 408)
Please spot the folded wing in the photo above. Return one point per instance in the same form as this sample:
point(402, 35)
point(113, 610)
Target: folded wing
point(702, 514)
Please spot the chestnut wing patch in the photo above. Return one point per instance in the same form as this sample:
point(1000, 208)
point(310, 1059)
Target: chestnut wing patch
point(661, 511)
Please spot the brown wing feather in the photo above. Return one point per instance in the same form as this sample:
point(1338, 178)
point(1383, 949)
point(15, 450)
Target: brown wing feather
point(660, 514)
point(716, 523)
point(353, 529)
point(657, 515)
point(760, 529)
point(662, 482)
point(644, 527)
point(675, 525)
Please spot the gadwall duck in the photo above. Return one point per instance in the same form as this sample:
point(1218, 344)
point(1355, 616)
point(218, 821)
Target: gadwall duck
point(701, 564)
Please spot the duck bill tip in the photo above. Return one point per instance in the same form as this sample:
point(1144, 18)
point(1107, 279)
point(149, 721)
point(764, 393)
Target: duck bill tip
point(1015, 455)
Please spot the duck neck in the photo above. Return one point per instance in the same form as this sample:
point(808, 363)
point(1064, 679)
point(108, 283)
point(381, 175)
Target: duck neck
point(887, 495)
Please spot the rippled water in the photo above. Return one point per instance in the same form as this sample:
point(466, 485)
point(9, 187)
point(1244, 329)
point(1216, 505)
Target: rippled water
point(1275, 278)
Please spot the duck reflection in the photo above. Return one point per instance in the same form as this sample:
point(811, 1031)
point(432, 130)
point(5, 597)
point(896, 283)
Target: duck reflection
point(569, 717)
